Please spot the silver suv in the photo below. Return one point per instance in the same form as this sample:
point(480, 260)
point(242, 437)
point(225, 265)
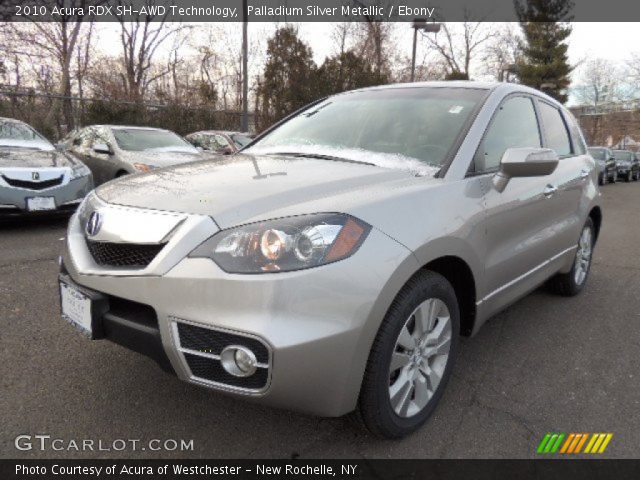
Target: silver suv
point(333, 265)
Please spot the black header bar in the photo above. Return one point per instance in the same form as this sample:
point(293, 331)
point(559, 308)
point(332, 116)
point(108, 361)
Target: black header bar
point(300, 10)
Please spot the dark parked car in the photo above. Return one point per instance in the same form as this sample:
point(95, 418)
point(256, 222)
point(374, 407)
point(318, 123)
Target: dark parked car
point(628, 165)
point(607, 167)
point(111, 151)
point(220, 142)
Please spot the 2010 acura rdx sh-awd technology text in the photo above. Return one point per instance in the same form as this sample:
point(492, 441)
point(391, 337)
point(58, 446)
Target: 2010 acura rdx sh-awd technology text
point(332, 265)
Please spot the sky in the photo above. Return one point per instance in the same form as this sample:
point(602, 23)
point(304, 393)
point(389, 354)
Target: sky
point(614, 41)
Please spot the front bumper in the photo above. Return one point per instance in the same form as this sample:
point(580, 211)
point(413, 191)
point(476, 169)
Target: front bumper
point(67, 197)
point(317, 325)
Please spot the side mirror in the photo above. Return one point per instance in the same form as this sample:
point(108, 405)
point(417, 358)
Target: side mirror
point(524, 162)
point(102, 148)
point(61, 147)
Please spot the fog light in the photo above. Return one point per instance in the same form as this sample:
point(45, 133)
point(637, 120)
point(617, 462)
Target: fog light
point(238, 361)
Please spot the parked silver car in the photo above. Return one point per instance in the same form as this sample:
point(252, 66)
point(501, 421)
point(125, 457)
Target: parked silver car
point(34, 177)
point(111, 151)
point(221, 142)
point(333, 265)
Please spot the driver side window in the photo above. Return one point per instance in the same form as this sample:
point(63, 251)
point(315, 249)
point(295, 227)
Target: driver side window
point(514, 125)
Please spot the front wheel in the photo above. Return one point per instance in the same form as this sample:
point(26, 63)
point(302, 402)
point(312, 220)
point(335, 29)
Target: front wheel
point(411, 358)
point(572, 283)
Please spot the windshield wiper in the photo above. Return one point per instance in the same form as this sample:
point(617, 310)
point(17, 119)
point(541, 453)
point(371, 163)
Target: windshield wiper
point(313, 112)
point(321, 157)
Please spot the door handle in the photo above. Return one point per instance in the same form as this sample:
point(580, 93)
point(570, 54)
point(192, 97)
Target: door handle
point(584, 173)
point(550, 191)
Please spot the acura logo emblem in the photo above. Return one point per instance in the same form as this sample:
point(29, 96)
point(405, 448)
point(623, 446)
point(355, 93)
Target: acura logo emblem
point(94, 224)
point(35, 176)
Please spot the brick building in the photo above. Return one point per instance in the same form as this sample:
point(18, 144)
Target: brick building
point(611, 125)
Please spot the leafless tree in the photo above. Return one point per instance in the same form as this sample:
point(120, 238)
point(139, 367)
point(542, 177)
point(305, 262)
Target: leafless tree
point(374, 42)
point(630, 87)
point(218, 48)
point(600, 82)
point(458, 44)
point(141, 36)
point(53, 44)
point(342, 36)
point(501, 52)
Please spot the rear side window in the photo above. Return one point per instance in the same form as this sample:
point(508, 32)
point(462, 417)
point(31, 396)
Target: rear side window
point(555, 130)
point(579, 147)
point(514, 126)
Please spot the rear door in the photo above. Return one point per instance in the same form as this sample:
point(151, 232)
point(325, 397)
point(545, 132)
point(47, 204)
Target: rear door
point(576, 172)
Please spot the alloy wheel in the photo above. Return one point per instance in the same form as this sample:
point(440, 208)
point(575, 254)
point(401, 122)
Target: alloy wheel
point(583, 256)
point(420, 357)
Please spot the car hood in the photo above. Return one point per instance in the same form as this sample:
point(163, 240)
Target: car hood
point(23, 158)
point(161, 159)
point(245, 188)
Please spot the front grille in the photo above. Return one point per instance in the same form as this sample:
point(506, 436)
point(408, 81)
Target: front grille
point(212, 342)
point(33, 185)
point(123, 254)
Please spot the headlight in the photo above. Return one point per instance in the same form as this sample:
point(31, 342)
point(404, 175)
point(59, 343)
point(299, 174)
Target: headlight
point(285, 244)
point(80, 170)
point(143, 167)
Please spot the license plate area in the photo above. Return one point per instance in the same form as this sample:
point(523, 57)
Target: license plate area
point(82, 308)
point(40, 204)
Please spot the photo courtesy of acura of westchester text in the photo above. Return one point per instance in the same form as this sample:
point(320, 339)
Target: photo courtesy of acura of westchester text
point(311, 231)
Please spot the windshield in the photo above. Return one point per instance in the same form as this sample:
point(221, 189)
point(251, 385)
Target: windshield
point(241, 140)
point(392, 128)
point(21, 135)
point(138, 139)
point(623, 155)
point(598, 153)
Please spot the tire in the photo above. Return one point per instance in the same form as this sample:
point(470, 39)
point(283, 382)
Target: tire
point(571, 284)
point(426, 293)
point(602, 179)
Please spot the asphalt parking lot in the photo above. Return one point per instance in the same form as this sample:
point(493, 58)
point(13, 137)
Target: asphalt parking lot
point(547, 364)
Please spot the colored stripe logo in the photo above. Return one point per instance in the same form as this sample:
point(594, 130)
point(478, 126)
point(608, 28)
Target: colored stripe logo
point(574, 443)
